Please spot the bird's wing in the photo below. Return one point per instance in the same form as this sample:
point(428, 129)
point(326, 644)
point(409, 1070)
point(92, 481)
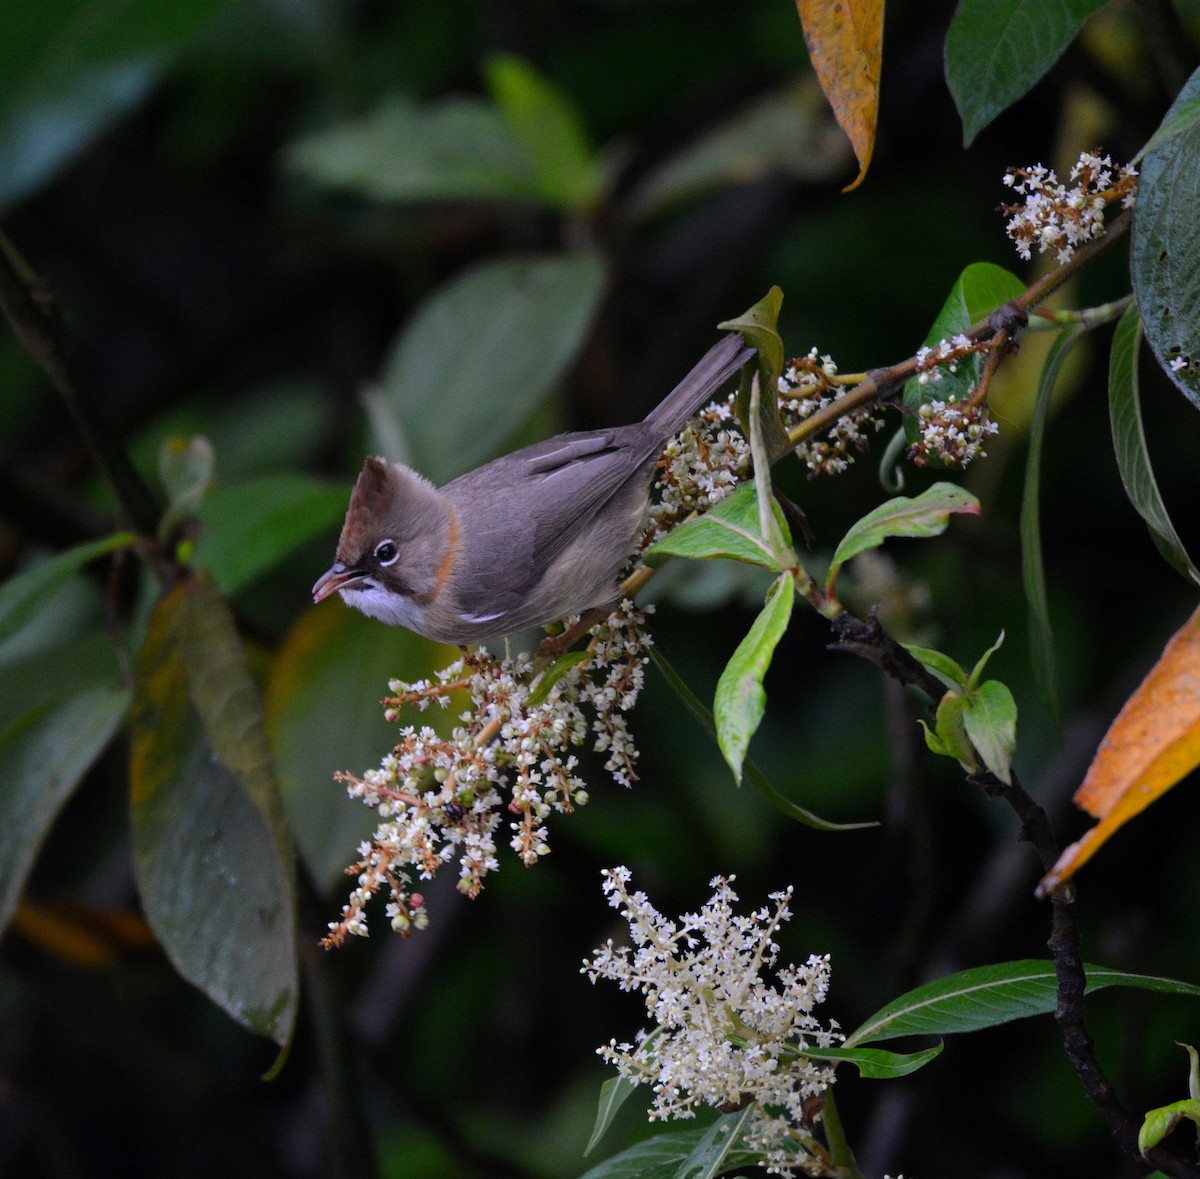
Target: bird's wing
point(519, 513)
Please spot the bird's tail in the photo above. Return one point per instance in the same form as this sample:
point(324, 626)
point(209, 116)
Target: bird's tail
point(714, 368)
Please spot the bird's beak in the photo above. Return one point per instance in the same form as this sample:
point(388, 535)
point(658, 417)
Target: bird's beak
point(336, 577)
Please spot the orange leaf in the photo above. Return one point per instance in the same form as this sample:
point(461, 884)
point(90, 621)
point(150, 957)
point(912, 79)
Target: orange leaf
point(845, 42)
point(1153, 743)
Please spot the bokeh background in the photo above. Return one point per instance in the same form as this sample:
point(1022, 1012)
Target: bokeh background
point(152, 170)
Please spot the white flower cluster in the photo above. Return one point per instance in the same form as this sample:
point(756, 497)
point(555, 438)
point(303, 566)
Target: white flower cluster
point(943, 357)
point(1056, 218)
point(807, 385)
point(699, 467)
point(441, 798)
point(951, 433)
point(723, 1037)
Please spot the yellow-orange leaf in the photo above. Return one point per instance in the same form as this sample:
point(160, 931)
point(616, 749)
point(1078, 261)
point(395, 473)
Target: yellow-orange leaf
point(1153, 743)
point(845, 42)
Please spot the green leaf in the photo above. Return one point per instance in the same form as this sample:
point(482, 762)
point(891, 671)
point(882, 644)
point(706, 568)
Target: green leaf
point(666, 1155)
point(323, 715)
point(613, 1094)
point(69, 68)
point(877, 1064)
point(987, 996)
point(923, 515)
point(211, 852)
point(185, 466)
point(991, 721)
point(250, 527)
point(997, 49)
point(784, 134)
point(43, 757)
point(21, 597)
point(756, 777)
point(565, 172)
point(952, 731)
point(554, 673)
point(940, 665)
point(758, 326)
point(740, 700)
point(1129, 443)
point(459, 148)
point(979, 290)
point(1033, 573)
point(1182, 116)
point(729, 530)
point(1158, 1123)
point(1164, 259)
point(717, 1147)
point(982, 662)
point(484, 352)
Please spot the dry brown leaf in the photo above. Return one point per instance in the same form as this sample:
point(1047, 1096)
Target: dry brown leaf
point(845, 42)
point(1153, 743)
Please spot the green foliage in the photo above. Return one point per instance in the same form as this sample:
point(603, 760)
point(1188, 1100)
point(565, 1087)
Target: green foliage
point(428, 241)
point(211, 851)
point(996, 51)
point(1166, 244)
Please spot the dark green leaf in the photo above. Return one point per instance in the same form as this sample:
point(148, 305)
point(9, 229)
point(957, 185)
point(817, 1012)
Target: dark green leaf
point(1129, 442)
point(565, 173)
point(986, 996)
point(877, 1064)
point(923, 515)
point(784, 134)
point(991, 721)
point(211, 852)
point(1181, 117)
point(1041, 636)
point(756, 777)
point(728, 530)
point(43, 757)
point(613, 1094)
point(21, 597)
point(1164, 259)
point(251, 527)
point(664, 1157)
point(740, 700)
point(323, 715)
point(997, 49)
point(717, 1147)
point(980, 289)
point(69, 68)
point(484, 352)
point(459, 148)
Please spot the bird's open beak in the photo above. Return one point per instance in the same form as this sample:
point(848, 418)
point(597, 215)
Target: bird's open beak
point(335, 578)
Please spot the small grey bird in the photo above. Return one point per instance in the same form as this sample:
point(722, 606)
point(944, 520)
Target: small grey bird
point(521, 541)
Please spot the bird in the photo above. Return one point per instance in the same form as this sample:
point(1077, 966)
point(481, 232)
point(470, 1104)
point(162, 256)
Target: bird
point(522, 541)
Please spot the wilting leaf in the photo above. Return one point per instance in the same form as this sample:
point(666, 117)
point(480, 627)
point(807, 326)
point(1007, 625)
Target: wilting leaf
point(211, 852)
point(1153, 743)
point(845, 43)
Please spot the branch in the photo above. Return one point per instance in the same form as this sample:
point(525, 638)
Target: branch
point(871, 641)
point(43, 335)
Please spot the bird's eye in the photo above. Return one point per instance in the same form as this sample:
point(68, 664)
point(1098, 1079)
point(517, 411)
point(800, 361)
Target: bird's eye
point(386, 552)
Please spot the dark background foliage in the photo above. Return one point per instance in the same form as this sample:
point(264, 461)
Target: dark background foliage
point(212, 290)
